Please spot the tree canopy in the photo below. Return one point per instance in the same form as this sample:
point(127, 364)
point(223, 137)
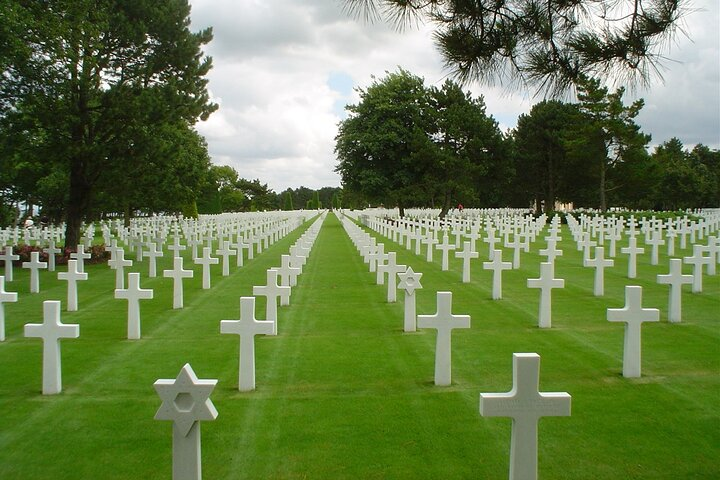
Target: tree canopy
point(405, 143)
point(100, 95)
point(544, 44)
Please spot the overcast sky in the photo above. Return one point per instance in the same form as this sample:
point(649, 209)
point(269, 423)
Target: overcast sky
point(284, 70)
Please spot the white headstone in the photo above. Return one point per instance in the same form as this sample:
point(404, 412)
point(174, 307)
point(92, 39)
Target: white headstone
point(600, 263)
point(72, 276)
point(467, 253)
point(51, 251)
point(118, 264)
point(34, 265)
point(633, 315)
point(80, 255)
point(51, 331)
point(8, 257)
point(177, 274)
point(391, 268)
point(633, 251)
point(186, 401)
point(525, 404)
point(5, 297)
point(271, 292)
point(133, 294)
point(247, 327)
point(697, 260)
point(206, 260)
point(675, 279)
point(445, 248)
point(444, 322)
point(152, 253)
point(545, 283)
point(497, 266)
point(225, 252)
point(410, 281)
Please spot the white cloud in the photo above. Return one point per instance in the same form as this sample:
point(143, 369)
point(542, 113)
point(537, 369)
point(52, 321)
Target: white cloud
point(282, 70)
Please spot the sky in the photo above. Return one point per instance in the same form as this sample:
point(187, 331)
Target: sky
point(283, 71)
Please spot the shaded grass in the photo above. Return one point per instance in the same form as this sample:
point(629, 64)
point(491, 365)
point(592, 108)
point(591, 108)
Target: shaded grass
point(342, 392)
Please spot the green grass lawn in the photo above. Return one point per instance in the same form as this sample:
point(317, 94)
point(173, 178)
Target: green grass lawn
point(342, 392)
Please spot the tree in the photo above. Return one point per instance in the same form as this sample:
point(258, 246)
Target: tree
point(609, 134)
point(405, 143)
point(462, 147)
point(541, 156)
point(288, 205)
point(88, 79)
point(546, 44)
point(687, 179)
point(373, 145)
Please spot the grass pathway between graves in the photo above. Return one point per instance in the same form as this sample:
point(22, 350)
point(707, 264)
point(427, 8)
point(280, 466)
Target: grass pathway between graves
point(342, 392)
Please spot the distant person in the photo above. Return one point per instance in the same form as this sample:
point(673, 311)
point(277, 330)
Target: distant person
point(460, 207)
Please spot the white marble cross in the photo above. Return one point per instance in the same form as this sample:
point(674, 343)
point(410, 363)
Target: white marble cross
point(118, 264)
point(467, 253)
point(271, 292)
point(551, 251)
point(51, 251)
point(80, 255)
point(633, 251)
point(247, 327)
point(410, 281)
point(34, 265)
point(133, 294)
point(444, 322)
point(225, 252)
point(206, 260)
point(8, 257)
point(152, 254)
point(713, 248)
point(600, 263)
point(697, 260)
point(288, 274)
point(186, 401)
point(655, 241)
point(376, 255)
point(545, 283)
point(430, 240)
point(675, 279)
point(445, 248)
point(584, 244)
point(176, 247)
point(72, 276)
point(633, 315)
point(391, 268)
point(51, 331)
point(177, 274)
point(491, 240)
point(497, 266)
point(5, 297)
point(525, 404)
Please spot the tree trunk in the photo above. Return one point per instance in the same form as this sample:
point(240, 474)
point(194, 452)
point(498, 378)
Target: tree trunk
point(603, 201)
point(550, 198)
point(77, 203)
point(446, 205)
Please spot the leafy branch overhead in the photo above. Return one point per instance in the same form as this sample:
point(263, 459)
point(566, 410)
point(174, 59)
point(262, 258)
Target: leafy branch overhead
point(546, 45)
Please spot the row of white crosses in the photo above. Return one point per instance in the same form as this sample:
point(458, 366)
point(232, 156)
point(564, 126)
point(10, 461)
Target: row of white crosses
point(524, 403)
point(185, 399)
point(52, 329)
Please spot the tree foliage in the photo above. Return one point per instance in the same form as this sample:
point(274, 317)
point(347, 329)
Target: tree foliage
point(93, 89)
point(404, 143)
point(608, 135)
point(544, 44)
